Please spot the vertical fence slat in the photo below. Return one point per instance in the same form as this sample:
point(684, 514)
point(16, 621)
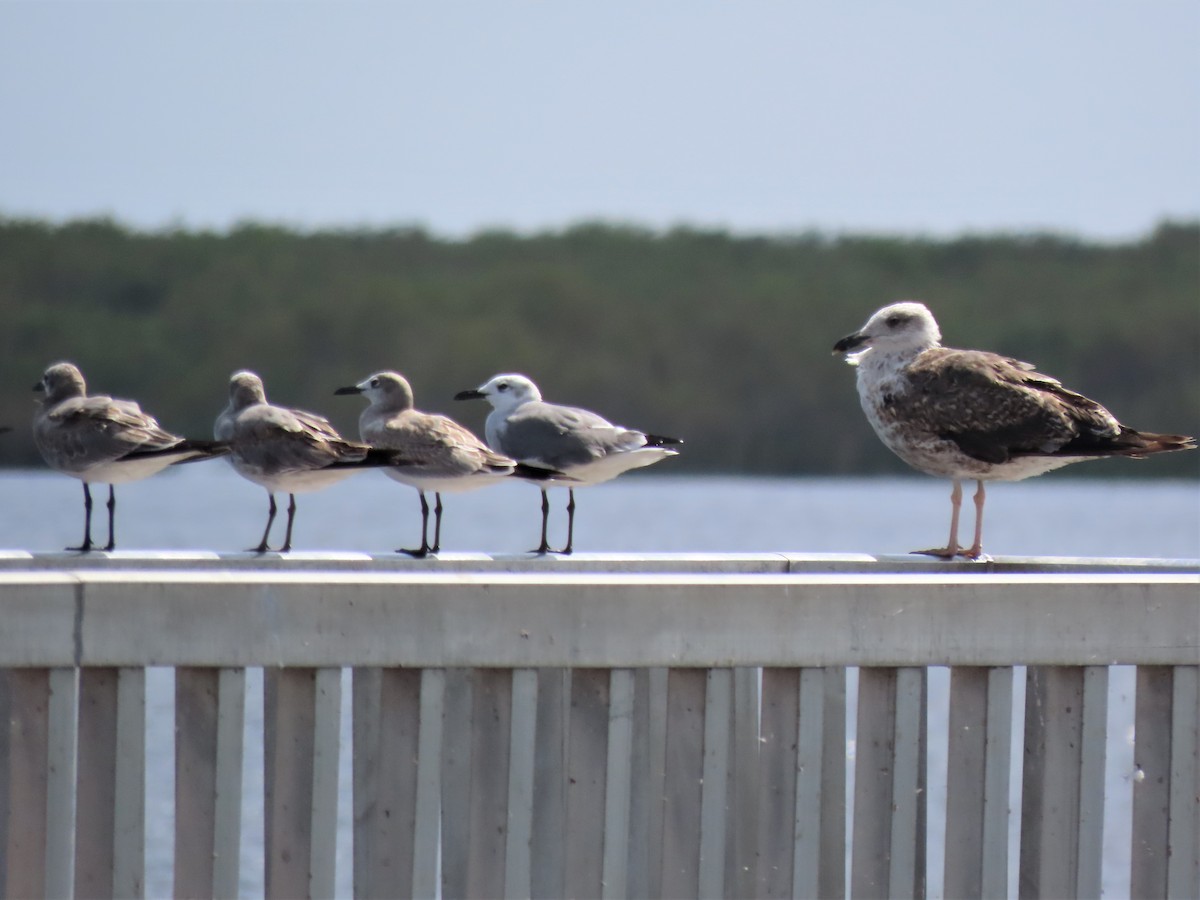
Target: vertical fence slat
point(429, 778)
point(782, 817)
point(718, 717)
point(366, 683)
point(614, 877)
point(1183, 833)
point(549, 843)
point(684, 770)
point(28, 733)
point(456, 782)
point(209, 717)
point(889, 795)
point(741, 833)
point(1093, 752)
point(1065, 713)
point(63, 741)
point(587, 761)
point(806, 853)
point(491, 702)
point(647, 789)
point(129, 817)
point(833, 783)
point(95, 786)
point(302, 712)
point(517, 881)
point(980, 731)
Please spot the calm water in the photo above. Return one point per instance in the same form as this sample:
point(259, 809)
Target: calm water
point(207, 506)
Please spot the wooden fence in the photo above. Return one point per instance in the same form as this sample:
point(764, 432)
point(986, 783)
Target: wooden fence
point(666, 726)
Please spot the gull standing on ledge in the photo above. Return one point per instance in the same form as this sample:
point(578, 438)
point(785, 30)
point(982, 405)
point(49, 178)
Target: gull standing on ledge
point(99, 439)
point(287, 450)
point(971, 414)
point(443, 456)
point(579, 444)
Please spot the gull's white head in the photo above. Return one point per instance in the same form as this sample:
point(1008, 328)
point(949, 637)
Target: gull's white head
point(504, 392)
point(246, 389)
point(60, 382)
point(906, 327)
point(387, 389)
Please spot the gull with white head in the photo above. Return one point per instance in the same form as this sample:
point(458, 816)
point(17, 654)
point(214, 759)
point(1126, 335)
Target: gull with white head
point(442, 456)
point(581, 445)
point(287, 450)
point(104, 441)
point(962, 414)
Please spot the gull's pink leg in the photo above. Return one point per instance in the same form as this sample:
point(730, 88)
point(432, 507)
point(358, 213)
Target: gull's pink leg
point(976, 549)
point(951, 548)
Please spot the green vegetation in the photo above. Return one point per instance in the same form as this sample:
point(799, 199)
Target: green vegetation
point(719, 339)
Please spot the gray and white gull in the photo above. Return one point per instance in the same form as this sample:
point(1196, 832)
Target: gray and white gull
point(970, 414)
point(586, 448)
point(287, 450)
point(100, 440)
point(443, 456)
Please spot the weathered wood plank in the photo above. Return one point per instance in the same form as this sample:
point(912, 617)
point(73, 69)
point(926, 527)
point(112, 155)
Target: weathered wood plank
point(456, 781)
point(833, 783)
point(336, 618)
point(1061, 831)
point(26, 776)
point(783, 816)
point(61, 759)
point(648, 780)
point(517, 872)
point(491, 706)
point(614, 880)
point(1183, 832)
point(809, 857)
point(741, 832)
point(1152, 787)
point(980, 730)
point(95, 785)
point(718, 721)
point(427, 839)
point(548, 848)
point(365, 687)
point(684, 766)
point(587, 760)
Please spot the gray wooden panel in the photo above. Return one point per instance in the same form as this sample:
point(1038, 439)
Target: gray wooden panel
point(456, 782)
point(889, 796)
point(833, 782)
point(718, 721)
point(618, 785)
point(1152, 787)
point(95, 786)
point(327, 728)
point(587, 760)
point(808, 855)
point(365, 714)
point(611, 620)
point(129, 816)
point(980, 730)
point(385, 779)
point(427, 839)
point(522, 752)
point(1093, 753)
point(1064, 707)
point(780, 811)
point(1183, 833)
point(491, 702)
point(741, 833)
point(61, 757)
point(5, 717)
point(648, 779)
point(209, 718)
point(548, 847)
point(684, 771)
point(289, 713)
point(27, 737)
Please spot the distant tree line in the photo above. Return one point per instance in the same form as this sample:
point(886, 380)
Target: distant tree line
point(720, 339)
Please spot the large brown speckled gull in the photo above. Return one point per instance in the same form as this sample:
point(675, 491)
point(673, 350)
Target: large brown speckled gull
point(586, 448)
point(962, 414)
point(100, 440)
point(287, 450)
point(443, 456)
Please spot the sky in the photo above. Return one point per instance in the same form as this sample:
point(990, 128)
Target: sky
point(930, 118)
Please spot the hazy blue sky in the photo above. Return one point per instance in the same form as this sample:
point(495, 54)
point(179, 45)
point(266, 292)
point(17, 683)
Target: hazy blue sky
point(914, 117)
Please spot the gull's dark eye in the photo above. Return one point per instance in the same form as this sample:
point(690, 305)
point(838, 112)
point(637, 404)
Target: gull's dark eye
point(374, 382)
point(502, 386)
point(893, 321)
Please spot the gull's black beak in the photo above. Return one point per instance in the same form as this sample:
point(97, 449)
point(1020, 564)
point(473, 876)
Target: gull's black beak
point(352, 389)
point(39, 387)
point(472, 394)
point(849, 342)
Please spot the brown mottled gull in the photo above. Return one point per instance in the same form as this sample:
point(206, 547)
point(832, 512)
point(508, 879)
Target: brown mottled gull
point(962, 414)
point(287, 450)
point(101, 440)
